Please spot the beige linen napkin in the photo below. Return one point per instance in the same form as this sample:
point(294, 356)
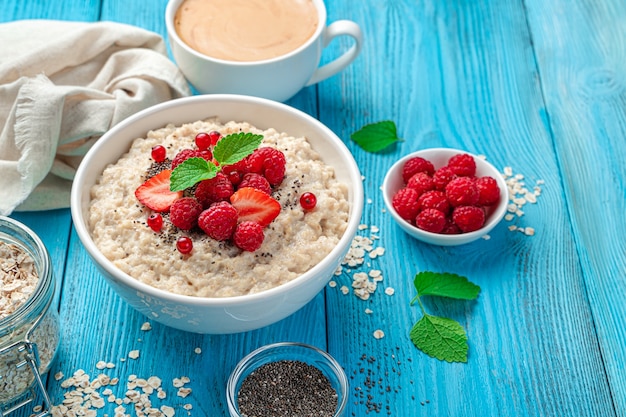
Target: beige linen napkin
point(62, 85)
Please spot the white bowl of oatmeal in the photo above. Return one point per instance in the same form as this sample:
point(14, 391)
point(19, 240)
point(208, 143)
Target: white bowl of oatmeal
point(218, 288)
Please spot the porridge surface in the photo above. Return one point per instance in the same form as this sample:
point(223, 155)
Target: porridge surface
point(294, 242)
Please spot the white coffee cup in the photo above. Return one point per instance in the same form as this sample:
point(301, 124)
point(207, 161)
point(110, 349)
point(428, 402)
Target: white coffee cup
point(278, 78)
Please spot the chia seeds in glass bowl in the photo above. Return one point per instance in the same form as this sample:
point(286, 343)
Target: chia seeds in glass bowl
point(287, 379)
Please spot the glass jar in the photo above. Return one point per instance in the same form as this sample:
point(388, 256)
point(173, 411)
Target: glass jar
point(29, 335)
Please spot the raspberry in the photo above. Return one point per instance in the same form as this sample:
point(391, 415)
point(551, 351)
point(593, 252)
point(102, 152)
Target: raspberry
point(190, 153)
point(218, 188)
point(463, 165)
point(488, 190)
point(184, 213)
point(415, 165)
point(468, 218)
point(256, 181)
point(434, 200)
point(219, 220)
point(421, 182)
point(248, 236)
point(431, 220)
point(268, 162)
point(405, 203)
point(462, 191)
point(450, 228)
point(442, 177)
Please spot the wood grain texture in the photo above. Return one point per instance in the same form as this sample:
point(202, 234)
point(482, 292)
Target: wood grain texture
point(581, 51)
point(463, 75)
point(537, 86)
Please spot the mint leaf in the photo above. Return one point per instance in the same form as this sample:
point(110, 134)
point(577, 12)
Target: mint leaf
point(375, 137)
point(190, 172)
point(445, 285)
point(441, 338)
point(233, 148)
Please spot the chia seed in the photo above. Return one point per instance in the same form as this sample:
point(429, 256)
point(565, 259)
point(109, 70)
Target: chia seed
point(287, 388)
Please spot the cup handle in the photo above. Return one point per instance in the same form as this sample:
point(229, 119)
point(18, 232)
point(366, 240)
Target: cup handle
point(338, 28)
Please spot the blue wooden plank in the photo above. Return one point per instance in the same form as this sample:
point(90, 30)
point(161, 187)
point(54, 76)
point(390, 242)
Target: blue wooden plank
point(580, 50)
point(81, 10)
point(463, 75)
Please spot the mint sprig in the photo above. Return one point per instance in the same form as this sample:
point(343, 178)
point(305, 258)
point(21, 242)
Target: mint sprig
point(440, 337)
point(375, 137)
point(229, 150)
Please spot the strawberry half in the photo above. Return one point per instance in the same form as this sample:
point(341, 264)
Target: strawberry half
point(254, 205)
point(155, 193)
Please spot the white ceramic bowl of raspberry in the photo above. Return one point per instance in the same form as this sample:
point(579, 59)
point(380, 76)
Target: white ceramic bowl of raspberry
point(439, 157)
point(229, 314)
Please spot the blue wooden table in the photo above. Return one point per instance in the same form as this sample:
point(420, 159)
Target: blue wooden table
point(535, 85)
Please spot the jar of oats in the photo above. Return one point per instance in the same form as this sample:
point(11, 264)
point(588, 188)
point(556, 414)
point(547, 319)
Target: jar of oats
point(29, 322)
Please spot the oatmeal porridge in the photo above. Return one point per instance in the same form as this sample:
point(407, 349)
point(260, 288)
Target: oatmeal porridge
point(294, 241)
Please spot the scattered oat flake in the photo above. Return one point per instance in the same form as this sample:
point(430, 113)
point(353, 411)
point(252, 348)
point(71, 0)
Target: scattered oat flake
point(379, 334)
point(146, 326)
point(486, 237)
point(58, 376)
point(368, 311)
point(345, 290)
point(389, 291)
point(133, 354)
point(332, 284)
point(197, 350)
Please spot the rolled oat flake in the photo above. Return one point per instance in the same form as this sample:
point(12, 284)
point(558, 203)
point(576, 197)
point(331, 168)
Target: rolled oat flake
point(287, 388)
point(29, 328)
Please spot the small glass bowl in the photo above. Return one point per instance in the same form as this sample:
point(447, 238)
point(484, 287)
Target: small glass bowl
point(293, 352)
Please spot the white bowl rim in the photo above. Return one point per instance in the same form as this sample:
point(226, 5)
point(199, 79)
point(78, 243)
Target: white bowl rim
point(447, 240)
point(80, 223)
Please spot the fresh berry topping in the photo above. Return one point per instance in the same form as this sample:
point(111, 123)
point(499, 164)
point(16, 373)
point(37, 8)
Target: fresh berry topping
point(215, 136)
point(462, 191)
point(405, 203)
point(488, 190)
point(184, 213)
point(421, 182)
point(203, 141)
point(431, 220)
point(158, 153)
point(218, 188)
point(463, 165)
point(219, 220)
point(235, 172)
point(248, 236)
point(190, 153)
point(155, 222)
point(468, 218)
point(184, 245)
point(255, 205)
point(256, 181)
point(442, 177)
point(155, 193)
point(308, 201)
point(434, 199)
point(415, 165)
point(268, 162)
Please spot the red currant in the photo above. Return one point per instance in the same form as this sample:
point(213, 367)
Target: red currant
point(203, 141)
point(155, 222)
point(158, 153)
point(308, 201)
point(184, 245)
point(215, 136)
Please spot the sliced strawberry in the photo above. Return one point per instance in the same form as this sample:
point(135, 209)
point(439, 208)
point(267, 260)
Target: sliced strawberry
point(254, 205)
point(155, 193)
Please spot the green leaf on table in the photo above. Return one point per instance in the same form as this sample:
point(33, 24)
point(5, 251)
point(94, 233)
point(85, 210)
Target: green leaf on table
point(234, 147)
point(445, 285)
point(441, 338)
point(190, 172)
point(375, 137)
